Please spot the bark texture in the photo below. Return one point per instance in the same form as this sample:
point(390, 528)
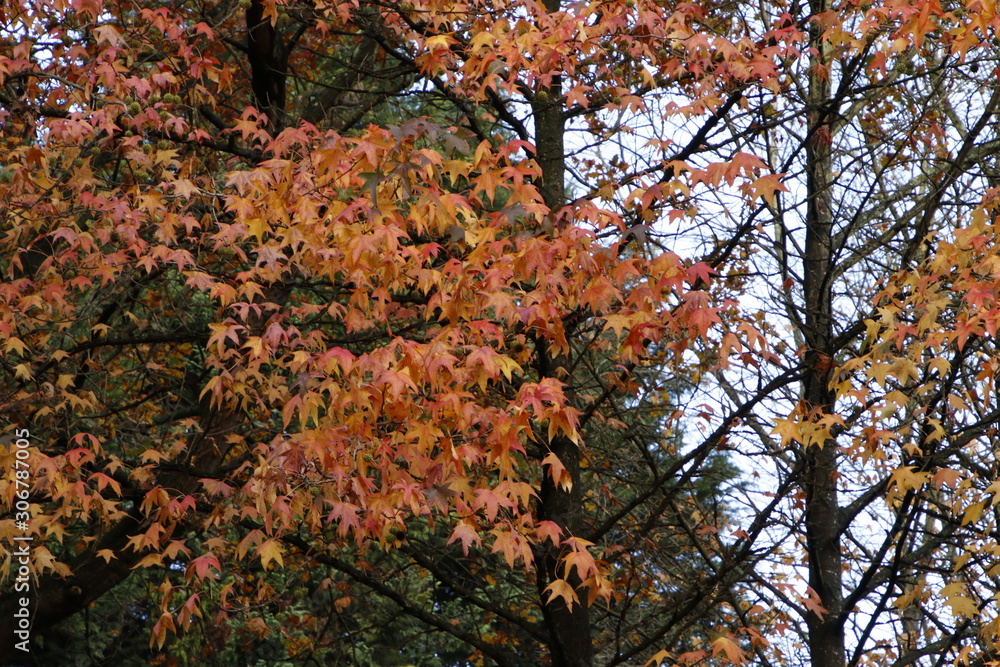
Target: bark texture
point(826, 630)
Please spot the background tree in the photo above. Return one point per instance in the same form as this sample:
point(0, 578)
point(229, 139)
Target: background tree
point(883, 138)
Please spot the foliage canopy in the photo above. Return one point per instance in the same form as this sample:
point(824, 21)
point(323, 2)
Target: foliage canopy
point(456, 332)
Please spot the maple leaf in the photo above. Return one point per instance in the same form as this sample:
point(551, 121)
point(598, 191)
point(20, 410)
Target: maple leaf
point(558, 472)
point(203, 565)
point(108, 34)
point(512, 545)
point(43, 561)
point(465, 533)
point(700, 273)
point(561, 589)
point(766, 187)
point(813, 603)
point(955, 597)
point(729, 650)
point(548, 530)
point(947, 477)
point(270, 552)
point(491, 501)
point(188, 611)
point(163, 625)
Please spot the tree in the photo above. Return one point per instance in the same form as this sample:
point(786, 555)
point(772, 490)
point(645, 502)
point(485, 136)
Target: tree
point(888, 165)
point(261, 337)
point(299, 295)
point(883, 435)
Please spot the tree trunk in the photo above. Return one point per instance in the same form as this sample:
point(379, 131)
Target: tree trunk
point(267, 67)
point(826, 630)
point(569, 628)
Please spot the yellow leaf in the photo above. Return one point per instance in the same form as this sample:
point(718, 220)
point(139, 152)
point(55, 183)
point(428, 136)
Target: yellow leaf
point(939, 364)
point(972, 513)
point(954, 597)
point(149, 560)
point(879, 371)
point(439, 42)
point(270, 551)
point(254, 344)
point(45, 561)
point(560, 588)
point(508, 366)
point(258, 227)
point(15, 344)
point(481, 40)
point(598, 587)
point(165, 157)
point(907, 479)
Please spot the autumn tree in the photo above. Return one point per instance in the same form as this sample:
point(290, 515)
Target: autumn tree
point(886, 140)
point(391, 304)
point(267, 338)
